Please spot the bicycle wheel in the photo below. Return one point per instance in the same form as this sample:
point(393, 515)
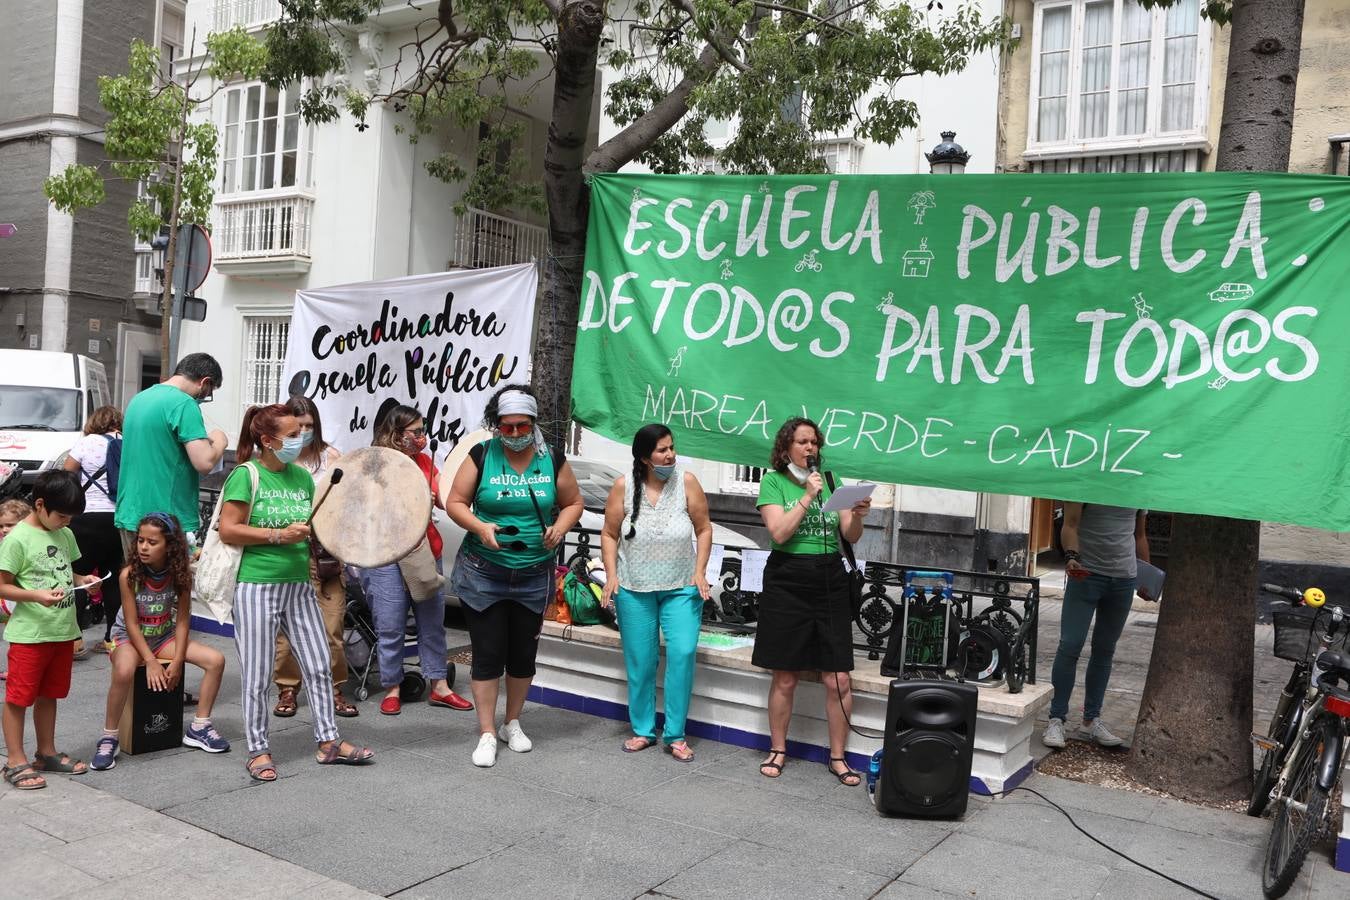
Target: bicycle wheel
point(1298, 817)
point(1271, 760)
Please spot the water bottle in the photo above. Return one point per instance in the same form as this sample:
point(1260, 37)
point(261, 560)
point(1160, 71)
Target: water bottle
point(873, 773)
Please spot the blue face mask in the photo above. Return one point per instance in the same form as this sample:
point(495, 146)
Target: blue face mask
point(290, 448)
point(306, 437)
point(664, 472)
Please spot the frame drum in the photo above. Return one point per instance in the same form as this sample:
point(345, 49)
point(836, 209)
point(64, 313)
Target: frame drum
point(377, 513)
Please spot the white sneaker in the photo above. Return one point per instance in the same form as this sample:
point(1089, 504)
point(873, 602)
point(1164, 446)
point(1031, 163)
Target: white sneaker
point(515, 738)
point(485, 754)
point(1054, 734)
point(1102, 735)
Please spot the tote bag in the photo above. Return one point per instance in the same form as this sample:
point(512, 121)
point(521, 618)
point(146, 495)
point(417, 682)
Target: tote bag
point(217, 569)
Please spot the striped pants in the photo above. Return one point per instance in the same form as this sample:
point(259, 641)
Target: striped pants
point(259, 611)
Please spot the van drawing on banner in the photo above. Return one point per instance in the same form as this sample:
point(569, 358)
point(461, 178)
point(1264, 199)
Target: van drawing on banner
point(1232, 290)
point(916, 263)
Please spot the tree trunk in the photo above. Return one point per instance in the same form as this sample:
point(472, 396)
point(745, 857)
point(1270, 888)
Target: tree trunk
point(1192, 738)
point(579, 28)
point(166, 365)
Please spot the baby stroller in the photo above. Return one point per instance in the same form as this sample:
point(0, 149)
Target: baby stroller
point(359, 642)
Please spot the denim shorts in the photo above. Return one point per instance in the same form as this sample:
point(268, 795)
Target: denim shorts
point(479, 583)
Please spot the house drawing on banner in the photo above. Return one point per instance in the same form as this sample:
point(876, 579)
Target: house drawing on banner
point(917, 262)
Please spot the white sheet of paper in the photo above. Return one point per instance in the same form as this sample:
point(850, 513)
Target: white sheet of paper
point(1150, 580)
point(85, 587)
point(714, 571)
point(846, 495)
point(752, 570)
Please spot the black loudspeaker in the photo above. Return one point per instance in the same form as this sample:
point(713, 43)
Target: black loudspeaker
point(930, 733)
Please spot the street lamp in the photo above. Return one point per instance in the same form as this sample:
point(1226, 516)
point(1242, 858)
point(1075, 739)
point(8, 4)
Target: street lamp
point(948, 157)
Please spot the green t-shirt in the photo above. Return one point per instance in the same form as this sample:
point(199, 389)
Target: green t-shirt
point(283, 498)
point(156, 474)
point(818, 532)
point(503, 498)
point(40, 560)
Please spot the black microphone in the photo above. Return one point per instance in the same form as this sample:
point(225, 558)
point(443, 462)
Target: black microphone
point(813, 465)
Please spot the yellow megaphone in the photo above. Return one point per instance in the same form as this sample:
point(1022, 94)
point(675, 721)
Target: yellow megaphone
point(1314, 597)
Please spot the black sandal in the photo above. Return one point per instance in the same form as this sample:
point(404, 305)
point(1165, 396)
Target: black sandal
point(845, 775)
point(770, 764)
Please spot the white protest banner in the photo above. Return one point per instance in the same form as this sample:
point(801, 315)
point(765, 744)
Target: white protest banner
point(442, 343)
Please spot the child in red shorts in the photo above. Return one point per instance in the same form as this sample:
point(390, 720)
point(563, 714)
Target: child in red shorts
point(36, 579)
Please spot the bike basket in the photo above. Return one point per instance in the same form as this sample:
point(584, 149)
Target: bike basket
point(1295, 637)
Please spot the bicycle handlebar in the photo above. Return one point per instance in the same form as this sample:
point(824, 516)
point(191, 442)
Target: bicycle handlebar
point(1312, 597)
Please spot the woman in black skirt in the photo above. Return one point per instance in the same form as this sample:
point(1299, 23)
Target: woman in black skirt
point(805, 623)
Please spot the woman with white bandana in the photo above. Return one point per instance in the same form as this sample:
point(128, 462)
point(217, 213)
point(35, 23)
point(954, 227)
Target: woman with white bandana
point(505, 497)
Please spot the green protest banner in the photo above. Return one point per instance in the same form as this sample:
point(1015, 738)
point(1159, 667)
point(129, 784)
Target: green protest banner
point(1172, 341)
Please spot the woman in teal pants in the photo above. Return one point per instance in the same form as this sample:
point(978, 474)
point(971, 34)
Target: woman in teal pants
point(655, 578)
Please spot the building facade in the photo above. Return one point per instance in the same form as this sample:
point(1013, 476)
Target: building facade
point(74, 283)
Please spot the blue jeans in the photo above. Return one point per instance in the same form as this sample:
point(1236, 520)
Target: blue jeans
point(388, 598)
point(1110, 599)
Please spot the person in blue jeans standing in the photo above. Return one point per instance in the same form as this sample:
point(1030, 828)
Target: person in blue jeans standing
point(655, 574)
point(1101, 547)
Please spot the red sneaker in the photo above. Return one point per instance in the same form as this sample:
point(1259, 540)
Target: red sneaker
point(450, 700)
point(391, 705)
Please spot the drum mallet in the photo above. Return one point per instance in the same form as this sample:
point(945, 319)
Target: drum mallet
point(337, 476)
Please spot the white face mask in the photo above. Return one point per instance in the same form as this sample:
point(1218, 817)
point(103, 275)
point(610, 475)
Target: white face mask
point(799, 473)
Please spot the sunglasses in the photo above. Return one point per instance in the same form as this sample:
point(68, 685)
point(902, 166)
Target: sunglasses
point(510, 530)
point(516, 428)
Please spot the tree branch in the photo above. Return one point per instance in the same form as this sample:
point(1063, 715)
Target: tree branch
point(640, 134)
point(712, 39)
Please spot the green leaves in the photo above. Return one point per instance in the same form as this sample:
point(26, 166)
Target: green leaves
point(151, 137)
point(78, 187)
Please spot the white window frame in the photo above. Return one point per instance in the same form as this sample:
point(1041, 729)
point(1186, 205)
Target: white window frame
point(1193, 137)
point(304, 149)
point(249, 361)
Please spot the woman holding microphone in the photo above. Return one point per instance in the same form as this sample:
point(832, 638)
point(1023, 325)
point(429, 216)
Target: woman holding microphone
point(805, 622)
point(656, 577)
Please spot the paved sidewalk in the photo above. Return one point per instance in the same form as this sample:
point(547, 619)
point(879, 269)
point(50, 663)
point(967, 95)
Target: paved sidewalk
point(574, 818)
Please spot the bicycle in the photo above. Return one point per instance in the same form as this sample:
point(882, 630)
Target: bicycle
point(1291, 643)
point(1308, 734)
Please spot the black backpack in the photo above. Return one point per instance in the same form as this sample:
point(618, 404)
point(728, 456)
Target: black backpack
point(112, 468)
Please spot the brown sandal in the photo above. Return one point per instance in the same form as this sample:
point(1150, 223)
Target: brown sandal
point(261, 771)
point(286, 705)
point(342, 707)
point(333, 755)
point(774, 768)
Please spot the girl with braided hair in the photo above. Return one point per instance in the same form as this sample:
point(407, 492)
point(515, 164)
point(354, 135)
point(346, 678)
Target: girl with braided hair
point(153, 625)
point(655, 576)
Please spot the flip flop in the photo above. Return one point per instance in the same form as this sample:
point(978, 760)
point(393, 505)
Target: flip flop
point(681, 751)
point(24, 773)
point(59, 762)
point(646, 742)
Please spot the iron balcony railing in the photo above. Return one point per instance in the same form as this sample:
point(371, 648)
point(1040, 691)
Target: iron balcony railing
point(248, 228)
point(485, 239)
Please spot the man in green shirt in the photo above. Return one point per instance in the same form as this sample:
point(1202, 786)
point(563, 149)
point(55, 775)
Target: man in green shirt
point(165, 448)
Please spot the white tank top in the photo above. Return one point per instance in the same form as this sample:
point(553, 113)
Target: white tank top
point(660, 555)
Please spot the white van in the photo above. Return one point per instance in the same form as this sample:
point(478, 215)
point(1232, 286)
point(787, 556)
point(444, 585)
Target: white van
point(45, 398)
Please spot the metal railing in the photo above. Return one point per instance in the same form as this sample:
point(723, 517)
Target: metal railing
point(248, 228)
point(485, 239)
point(999, 613)
point(247, 13)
